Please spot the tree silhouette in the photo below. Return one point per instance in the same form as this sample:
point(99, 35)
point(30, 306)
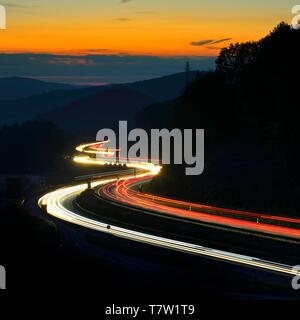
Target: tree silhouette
point(249, 108)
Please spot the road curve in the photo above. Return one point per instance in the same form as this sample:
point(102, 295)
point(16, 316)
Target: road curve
point(57, 204)
point(123, 192)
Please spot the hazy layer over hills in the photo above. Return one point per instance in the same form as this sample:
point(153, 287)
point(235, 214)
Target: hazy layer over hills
point(32, 106)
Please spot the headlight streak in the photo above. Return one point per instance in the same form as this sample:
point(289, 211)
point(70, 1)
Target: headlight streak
point(55, 207)
point(54, 202)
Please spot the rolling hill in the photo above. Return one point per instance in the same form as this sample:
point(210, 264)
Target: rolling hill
point(100, 110)
point(17, 88)
point(20, 110)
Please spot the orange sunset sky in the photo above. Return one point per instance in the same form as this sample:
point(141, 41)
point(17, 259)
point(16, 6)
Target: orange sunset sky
point(156, 27)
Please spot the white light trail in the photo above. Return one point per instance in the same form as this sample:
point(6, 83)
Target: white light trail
point(55, 205)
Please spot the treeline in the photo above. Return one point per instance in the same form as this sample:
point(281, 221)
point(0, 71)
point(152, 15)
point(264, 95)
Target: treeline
point(253, 90)
point(249, 109)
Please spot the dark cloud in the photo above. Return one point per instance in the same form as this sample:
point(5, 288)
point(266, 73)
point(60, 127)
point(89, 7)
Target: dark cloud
point(71, 61)
point(204, 42)
point(125, 1)
point(201, 42)
point(123, 19)
point(221, 40)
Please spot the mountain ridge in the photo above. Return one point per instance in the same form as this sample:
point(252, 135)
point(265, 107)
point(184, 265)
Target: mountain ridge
point(12, 88)
point(20, 110)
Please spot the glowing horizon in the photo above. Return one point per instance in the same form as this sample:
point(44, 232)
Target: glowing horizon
point(137, 27)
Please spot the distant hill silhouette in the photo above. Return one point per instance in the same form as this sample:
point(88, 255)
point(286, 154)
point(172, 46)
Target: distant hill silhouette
point(17, 88)
point(100, 110)
point(160, 89)
point(16, 111)
point(163, 88)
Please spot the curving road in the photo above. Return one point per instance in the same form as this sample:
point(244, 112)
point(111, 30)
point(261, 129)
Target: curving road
point(59, 203)
point(123, 191)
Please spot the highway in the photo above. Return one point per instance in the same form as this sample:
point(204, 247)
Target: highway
point(123, 192)
point(118, 188)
